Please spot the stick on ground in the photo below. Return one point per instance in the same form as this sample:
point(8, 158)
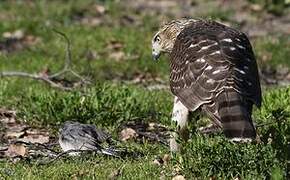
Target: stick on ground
point(51, 80)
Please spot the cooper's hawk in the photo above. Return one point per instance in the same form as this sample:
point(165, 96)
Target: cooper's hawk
point(213, 68)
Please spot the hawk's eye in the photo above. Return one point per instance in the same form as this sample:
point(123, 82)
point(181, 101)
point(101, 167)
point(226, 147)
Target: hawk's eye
point(157, 38)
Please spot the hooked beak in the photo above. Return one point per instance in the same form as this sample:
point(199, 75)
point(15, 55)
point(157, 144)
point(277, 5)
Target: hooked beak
point(155, 55)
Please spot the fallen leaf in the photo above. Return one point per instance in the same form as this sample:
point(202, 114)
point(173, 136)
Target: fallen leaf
point(178, 177)
point(119, 55)
point(16, 150)
point(162, 161)
point(176, 169)
point(127, 134)
point(114, 174)
point(32, 131)
point(13, 134)
point(44, 72)
point(256, 7)
point(162, 177)
point(15, 130)
point(37, 138)
point(157, 162)
point(114, 45)
point(91, 21)
point(16, 41)
point(91, 55)
point(152, 126)
point(127, 20)
point(31, 40)
point(18, 34)
point(7, 113)
point(166, 159)
point(100, 9)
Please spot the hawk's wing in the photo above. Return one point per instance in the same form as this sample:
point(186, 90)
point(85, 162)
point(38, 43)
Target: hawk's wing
point(208, 57)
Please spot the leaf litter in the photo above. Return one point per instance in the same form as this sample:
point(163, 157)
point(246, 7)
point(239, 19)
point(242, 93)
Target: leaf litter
point(17, 136)
point(16, 41)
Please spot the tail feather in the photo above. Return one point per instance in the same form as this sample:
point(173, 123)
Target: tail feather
point(232, 113)
point(235, 115)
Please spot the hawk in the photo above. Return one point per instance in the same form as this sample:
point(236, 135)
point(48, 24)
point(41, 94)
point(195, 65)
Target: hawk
point(212, 68)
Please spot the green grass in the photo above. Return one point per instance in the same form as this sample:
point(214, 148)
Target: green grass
point(108, 104)
point(273, 51)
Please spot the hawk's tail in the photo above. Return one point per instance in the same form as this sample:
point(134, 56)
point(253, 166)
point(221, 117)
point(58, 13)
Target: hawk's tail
point(235, 115)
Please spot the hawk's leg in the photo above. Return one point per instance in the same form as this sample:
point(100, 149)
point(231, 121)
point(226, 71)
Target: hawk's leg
point(179, 119)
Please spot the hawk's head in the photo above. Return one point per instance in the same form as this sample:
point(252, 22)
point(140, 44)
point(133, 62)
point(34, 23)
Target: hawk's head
point(164, 39)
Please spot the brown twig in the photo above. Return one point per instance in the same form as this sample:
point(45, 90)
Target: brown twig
point(153, 137)
point(76, 151)
point(39, 77)
point(37, 145)
point(64, 154)
point(51, 79)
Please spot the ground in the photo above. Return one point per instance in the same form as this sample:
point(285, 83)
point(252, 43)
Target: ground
point(111, 46)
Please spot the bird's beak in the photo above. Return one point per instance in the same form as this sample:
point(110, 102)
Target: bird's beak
point(155, 55)
point(155, 51)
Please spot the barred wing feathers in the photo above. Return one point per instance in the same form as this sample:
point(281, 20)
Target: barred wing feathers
point(206, 58)
point(209, 59)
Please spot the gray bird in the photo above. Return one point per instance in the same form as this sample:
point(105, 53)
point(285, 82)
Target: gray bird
point(77, 136)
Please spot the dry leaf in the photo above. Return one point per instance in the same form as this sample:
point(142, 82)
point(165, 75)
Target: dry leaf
point(15, 130)
point(31, 40)
point(16, 41)
point(13, 134)
point(157, 162)
point(7, 113)
point(114, 45)
point(18, 34)
point(162, 161)
point(152, 126)
point(36, 132)
point(37, 138)
point(256, 7)
point(166, 159)
point(127, 134)
point(114, 174)
point(178, 177)
point(91, 21)
point(119, 55)
point(16, 150)
point(100, 9)
point(162, 177)
point(91, 55)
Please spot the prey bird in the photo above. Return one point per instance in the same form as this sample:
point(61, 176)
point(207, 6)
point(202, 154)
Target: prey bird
point(77, 136)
